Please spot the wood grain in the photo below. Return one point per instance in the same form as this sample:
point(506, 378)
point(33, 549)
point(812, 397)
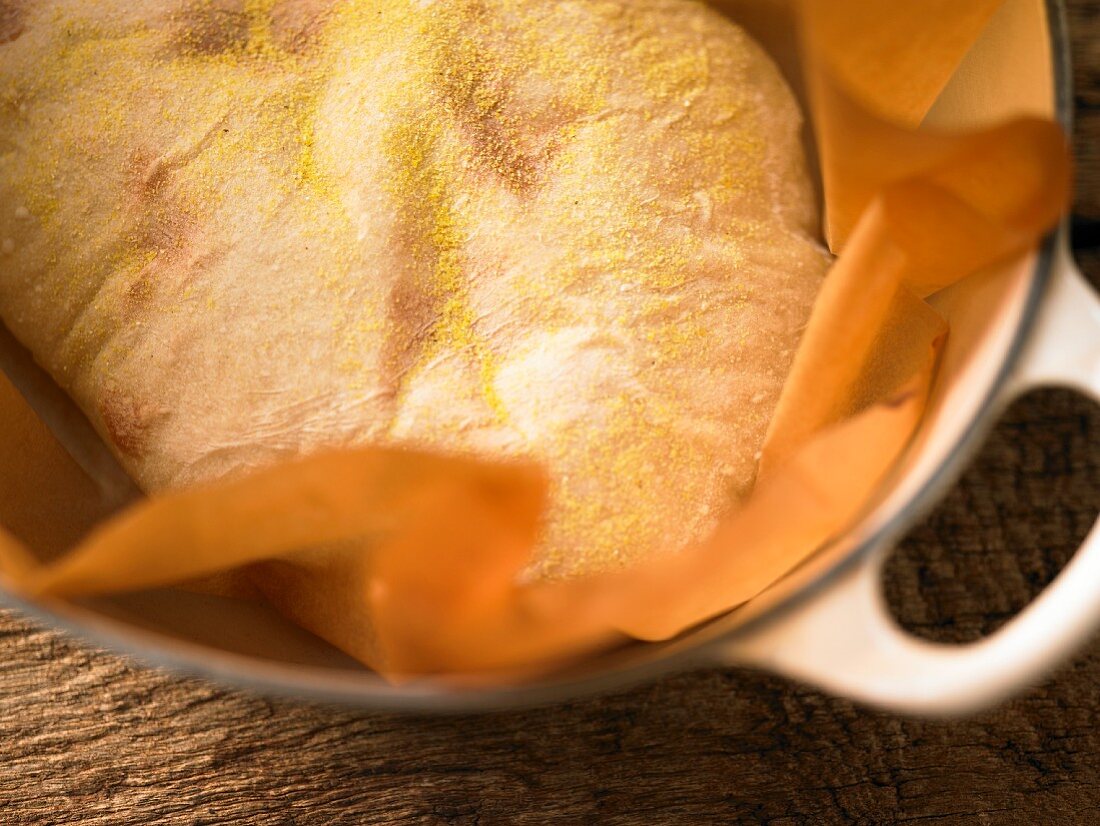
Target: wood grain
point(87, 737)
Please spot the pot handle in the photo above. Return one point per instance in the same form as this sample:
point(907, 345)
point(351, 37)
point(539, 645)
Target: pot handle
point(844, 639)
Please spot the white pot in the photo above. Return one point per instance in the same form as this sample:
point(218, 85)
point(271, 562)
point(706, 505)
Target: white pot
point(1028, 325)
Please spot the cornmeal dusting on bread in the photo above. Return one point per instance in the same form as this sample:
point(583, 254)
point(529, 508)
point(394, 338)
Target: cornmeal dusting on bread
point(575, 232)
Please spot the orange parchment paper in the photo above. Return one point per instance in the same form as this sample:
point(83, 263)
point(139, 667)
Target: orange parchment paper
point(412, 563)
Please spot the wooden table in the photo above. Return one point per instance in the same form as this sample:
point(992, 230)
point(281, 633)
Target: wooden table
point(87, 737)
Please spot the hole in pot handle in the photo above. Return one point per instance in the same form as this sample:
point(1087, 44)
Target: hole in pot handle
point(845, 640)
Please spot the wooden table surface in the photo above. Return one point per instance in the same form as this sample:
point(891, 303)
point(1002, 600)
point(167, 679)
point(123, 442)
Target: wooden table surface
point(87, 737)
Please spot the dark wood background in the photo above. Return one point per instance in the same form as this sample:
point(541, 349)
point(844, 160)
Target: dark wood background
point(87, 737)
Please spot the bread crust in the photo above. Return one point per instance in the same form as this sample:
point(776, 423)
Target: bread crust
point(240, 231)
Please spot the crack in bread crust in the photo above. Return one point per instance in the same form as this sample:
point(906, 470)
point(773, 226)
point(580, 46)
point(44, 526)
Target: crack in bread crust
point(297, 24)
point(477, 90)
point(128, 422)
point(12, 20)
point(214, 27)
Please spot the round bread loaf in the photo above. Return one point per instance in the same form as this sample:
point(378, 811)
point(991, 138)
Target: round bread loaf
point(575, 231)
